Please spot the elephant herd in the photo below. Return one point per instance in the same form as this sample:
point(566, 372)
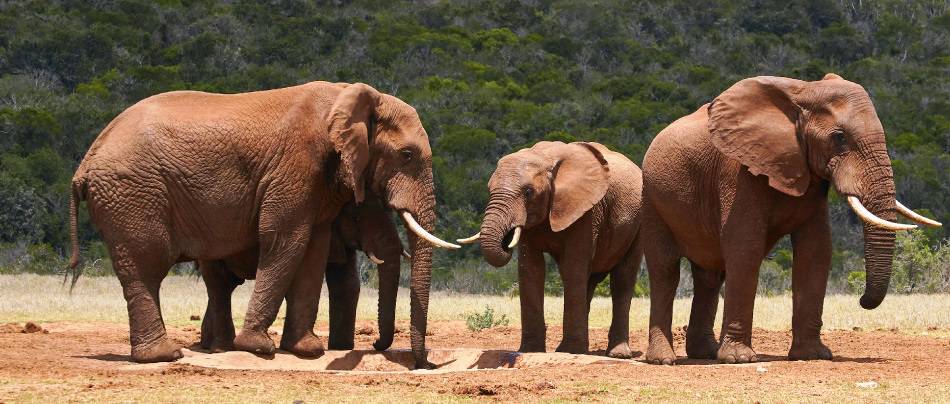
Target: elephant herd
point(285, 186)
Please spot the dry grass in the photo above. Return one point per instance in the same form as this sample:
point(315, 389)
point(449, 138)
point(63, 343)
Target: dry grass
point(30, 297)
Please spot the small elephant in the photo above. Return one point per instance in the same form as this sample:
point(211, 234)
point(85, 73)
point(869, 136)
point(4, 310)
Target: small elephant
point(724, 184)
point(368, 228)
point(188, 175)
point(579, 202)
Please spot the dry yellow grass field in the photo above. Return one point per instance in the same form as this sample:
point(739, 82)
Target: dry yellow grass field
point(29, 297)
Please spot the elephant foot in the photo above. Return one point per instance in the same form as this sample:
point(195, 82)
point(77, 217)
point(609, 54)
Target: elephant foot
point(702, 346)
point(809, 350)
point(207, 340)
point(254, 342)
point(572, 346)
point(736, 352)
point(621, 350)
point(162, 351)
point(660, 353)
point(423, 363)
point(307, 346)
point(532, 345)
point(381, 345)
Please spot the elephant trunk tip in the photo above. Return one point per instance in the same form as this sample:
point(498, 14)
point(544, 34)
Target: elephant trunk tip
point(870, 303)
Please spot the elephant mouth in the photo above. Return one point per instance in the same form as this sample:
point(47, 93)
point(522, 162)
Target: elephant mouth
point(506, 240)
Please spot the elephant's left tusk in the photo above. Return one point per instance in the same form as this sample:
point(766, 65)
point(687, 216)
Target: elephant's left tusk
point(469, 240)
point(872, 219)
point(516, 238)
point(416, 228)
point(915, 216)
point(372, 257)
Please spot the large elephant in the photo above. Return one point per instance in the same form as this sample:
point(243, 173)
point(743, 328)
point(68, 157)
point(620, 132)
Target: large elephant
point(368, 228)
point(580, 203)
point(723, 184)
point(187, 175)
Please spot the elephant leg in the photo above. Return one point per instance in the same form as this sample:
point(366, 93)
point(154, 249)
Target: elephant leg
point(279, 259)
point(141, 274)
point(743, 251)
point(386, 307)
point(218, 322)
point(575, 273)
point(810, 267)
point(343, 284)
point(663, 267)
point(531, 292)
point(304, 297)
point(623, 279)
point(701, 341)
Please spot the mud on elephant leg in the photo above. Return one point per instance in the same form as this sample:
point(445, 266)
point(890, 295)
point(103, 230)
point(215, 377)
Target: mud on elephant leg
point(810, 267)
point(304, 297)
point(146, 328)
point(344, 288)
point(623, 279)
point(701, 341)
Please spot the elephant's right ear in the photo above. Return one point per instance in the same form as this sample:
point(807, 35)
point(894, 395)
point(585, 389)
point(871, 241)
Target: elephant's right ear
point(581, 178)
point(350, 120)
point(755, 122)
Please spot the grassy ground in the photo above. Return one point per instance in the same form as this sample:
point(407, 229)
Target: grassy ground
point(29, 297)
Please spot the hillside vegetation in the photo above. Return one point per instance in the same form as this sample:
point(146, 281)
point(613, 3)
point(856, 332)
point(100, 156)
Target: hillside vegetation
point(487, 77)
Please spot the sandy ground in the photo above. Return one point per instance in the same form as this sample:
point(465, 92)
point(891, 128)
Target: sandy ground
point(88, 361)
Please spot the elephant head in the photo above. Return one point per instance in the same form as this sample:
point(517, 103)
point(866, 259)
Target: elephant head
point(551, 184)
point(796, 132)
point(384, 149)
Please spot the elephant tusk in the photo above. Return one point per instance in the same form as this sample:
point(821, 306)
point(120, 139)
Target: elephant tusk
point(372, 257)
point(914, 216)
point(416, 228)
point(406, 254)
point(870, 218)
point(470, 240)
point(516, 238)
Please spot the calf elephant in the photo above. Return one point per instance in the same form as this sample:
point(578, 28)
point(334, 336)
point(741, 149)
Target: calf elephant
point(722, 185)
point(186, 175)
point(368, 228)
point(579, 202)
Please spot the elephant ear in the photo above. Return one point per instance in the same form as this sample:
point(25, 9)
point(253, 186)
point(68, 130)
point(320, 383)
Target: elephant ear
point(350, 120)
point(581, 177)
point(756, 123)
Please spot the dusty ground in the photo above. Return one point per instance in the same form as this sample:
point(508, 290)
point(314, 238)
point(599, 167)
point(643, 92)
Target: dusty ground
point(89, 362)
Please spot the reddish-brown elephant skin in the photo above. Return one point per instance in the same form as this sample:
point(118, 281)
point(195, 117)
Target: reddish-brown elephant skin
point(187, 175)
point(725, 183)
point(368, 228)
point(580, 203)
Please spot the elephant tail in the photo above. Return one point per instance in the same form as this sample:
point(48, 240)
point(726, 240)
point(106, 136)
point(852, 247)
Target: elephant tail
point(74, 199)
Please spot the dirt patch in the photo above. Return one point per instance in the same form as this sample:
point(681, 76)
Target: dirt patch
point(90, 362)
point(28, 328)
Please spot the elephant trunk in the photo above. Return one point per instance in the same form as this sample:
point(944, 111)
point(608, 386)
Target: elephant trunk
point(420, 277)
point(500, 219)
point(878, 196)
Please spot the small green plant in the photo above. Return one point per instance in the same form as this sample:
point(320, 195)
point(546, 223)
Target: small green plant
point(485, 319)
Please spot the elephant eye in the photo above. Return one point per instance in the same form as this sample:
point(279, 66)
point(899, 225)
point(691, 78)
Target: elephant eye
point(406, 154)
point(839, 139)
point(528, 192)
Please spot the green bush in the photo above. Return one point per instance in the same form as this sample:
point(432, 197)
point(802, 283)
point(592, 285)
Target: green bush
point(484, 320)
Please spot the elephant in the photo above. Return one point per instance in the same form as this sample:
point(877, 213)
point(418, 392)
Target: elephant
point(723, 184)
point(187, 175)
point(369, 228)
point(580, 203)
